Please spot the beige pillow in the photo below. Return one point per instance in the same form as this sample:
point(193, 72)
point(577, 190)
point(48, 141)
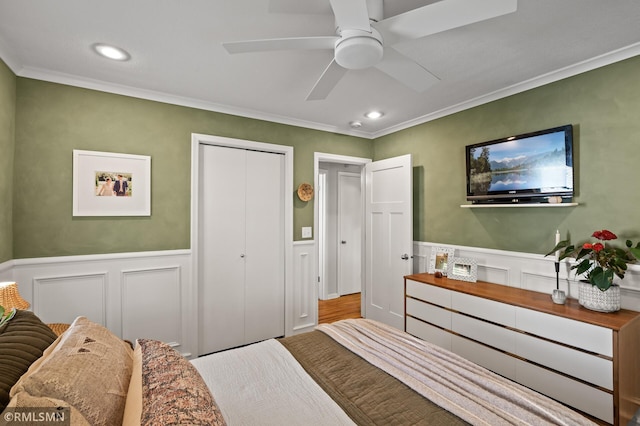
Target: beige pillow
point(89, 368)
point(166, 389)
point(22, 400)
point(133, 407)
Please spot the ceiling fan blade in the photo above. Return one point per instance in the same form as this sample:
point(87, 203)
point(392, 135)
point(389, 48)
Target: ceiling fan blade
point(351, 14)
point(309, 7)
point(441, 16)
point(327, 81)
point(320, 42)
point(406, 71)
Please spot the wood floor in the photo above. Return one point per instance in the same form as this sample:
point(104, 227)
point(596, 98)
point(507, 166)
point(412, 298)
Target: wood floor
point(340, 308)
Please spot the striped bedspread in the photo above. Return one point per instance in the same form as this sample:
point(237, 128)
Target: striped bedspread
point(469, 391)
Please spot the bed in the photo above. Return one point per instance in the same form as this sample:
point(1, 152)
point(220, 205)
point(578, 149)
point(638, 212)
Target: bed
point(349, 372)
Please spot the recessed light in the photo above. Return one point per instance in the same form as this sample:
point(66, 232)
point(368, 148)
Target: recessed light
point(111, 52)
point(355, 124)
point(374, 115)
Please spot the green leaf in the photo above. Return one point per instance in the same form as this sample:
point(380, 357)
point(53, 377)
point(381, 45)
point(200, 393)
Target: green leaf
point(1, 311)
point(560, 245)
point(635, 251)
point(602, 279)
point(583, 267)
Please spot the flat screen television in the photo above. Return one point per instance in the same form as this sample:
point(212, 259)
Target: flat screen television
point(535, 167)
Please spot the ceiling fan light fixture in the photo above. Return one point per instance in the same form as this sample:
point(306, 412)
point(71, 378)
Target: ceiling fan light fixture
point(374, 115)
point(356, 50)
point(111, 52)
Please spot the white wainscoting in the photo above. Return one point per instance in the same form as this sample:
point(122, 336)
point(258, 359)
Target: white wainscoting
point(151, 294)
point(135, 295)
point(305, 294)
point(525, 270)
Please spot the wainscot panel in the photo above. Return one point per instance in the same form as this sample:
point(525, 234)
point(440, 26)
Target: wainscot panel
point(525, 270)
point(305, 293)
point(135, 295)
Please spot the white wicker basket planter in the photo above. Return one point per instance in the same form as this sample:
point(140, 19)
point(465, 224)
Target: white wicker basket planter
point(591, 297)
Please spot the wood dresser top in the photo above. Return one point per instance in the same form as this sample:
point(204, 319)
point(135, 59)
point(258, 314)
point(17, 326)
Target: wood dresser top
point(532, 300)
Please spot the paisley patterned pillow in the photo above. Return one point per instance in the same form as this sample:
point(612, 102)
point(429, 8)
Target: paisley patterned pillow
point(173, 392)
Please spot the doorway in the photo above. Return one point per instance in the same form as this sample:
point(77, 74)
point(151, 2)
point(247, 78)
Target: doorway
point(339, 217)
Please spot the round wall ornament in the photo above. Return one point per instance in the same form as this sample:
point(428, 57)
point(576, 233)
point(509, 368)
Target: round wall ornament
point(305, 191)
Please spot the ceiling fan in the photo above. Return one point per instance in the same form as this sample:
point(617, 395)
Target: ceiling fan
point(365, 39)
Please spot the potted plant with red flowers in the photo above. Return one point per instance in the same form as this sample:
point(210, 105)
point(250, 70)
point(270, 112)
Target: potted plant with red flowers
point(599, 262)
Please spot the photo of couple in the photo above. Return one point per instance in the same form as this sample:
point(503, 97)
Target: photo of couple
point(113, 184)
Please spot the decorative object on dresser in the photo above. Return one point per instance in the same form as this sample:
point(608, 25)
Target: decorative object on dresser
point(558, 296)
point(439, 259)
point(584, 359)
point(463, 269)
point(600, 262)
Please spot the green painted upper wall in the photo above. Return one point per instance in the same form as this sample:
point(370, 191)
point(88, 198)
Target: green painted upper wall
point(604, 107)
point(7, 146)
point(52, 120)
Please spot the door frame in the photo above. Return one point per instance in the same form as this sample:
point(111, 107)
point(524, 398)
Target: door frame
point(198, 139)
point(322, 157)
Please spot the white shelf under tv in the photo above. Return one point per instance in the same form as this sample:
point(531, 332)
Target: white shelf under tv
point(477, 206)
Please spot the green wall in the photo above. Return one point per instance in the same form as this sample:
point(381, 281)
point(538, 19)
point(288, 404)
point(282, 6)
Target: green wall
point(7, 146)
point(52, 120)
point(604, 107)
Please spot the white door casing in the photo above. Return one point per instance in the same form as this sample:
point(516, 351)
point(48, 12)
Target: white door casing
point(389, 235)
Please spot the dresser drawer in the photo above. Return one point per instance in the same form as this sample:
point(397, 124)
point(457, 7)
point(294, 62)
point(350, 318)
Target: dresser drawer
point(429, 313)
point(582, 365)
point(570, 332)
point(430, 293)
point(429, 333)
point(591, 400)
point(484, 332)
point(500, 313)
point(491, 359)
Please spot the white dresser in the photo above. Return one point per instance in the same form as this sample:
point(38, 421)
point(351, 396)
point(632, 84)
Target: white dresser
point(585, 359)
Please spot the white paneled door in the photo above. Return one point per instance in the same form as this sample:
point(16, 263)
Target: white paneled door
point(241, 253)
point(349, 233)
point(388, 236)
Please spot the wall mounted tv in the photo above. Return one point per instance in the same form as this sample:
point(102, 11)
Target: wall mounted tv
point(535, 167)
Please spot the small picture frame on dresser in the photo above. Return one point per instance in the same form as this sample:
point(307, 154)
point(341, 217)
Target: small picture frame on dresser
point(463, 269)
point(440, 257)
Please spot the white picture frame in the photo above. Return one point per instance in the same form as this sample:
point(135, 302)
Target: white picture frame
point(463, 269)
point(439, 259)
point(97, 175)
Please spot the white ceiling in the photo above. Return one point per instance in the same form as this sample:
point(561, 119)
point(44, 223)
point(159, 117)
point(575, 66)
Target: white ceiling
point(177, 55)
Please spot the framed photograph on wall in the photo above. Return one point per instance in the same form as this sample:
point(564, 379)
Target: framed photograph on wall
point(463, 269)
point(439, 259)
point(111, 184)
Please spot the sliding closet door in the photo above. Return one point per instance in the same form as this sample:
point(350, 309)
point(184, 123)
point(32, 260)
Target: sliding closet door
point(222, 230)
point(264, 285)
point(241, 253)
